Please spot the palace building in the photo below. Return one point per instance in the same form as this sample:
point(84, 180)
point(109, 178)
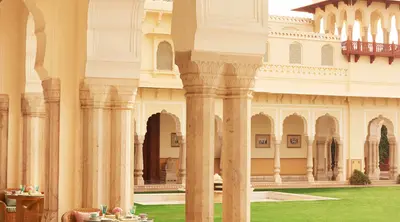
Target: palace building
point(101, 98)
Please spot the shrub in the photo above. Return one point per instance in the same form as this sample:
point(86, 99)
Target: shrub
point(359, 178)
point(398, 179)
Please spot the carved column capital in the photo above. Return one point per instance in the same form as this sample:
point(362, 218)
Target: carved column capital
point(94, 95)
point(124, 97)
point(32, 104)
point(4, 103)
point(139, 139)
point(198, 76)
point(51, 90)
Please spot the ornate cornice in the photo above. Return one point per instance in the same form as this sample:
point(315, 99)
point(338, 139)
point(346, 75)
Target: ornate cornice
point(198, 76)
point(304, 35)
point(4, 103)
point(290, 19)
point(303, 70)
point(32, 104)
point(51, 90)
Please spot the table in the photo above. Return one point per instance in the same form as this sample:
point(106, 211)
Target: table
point(24, 200)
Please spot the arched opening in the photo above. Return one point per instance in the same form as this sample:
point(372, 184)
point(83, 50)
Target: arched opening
point(380, 149)
point(376, 28)
point(293, 150)
point(326, 153)
point(262, 146)
point(394, 35)
point(164, 56)
point(161, 149)
point(356, 35)
point(295, 53)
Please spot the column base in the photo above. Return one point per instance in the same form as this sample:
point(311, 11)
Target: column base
point(339, 176)
point(310, 178)
point(49, 216)
point(139, 181)
point(277, 178)
point(181, 179)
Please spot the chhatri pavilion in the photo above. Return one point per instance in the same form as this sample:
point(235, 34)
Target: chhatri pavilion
point(102, 98)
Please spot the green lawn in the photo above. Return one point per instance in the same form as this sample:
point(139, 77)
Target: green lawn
point(355, 204)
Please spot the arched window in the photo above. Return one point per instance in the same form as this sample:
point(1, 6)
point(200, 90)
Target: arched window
point(164, 56)
point(265, 59)
point(327, 55)
point(295, 53)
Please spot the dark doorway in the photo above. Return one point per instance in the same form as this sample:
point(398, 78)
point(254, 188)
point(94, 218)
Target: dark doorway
point(384, 150)
point(151, 151)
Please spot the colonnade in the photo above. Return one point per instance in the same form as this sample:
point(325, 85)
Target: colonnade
point(372, 156)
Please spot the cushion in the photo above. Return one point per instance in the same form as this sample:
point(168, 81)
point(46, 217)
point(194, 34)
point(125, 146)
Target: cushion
point(10, 202)
point(81, 216)
point(11, 209)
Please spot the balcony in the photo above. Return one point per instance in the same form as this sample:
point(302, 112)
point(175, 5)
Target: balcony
point(371, 49)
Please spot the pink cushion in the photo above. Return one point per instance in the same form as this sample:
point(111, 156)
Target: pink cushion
point(81, 216)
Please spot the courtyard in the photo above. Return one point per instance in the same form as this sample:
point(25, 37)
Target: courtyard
point(355, 204)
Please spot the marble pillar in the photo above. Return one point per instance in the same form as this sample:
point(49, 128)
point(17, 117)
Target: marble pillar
point(277, 162)
point(4, 104)
point(339, 155)
point(200, 80)
point(122, 152)
point(376, 161)
point(33, 141)
point(369, 160)
point(182, 161)
point(310, 176)
point(392, 153)
point(395, 160)
point(364, 34)
point(349, 32)
point(239, 81)
point(51, 91)
point(139, 140)
point(321, 160)
point(96, 126)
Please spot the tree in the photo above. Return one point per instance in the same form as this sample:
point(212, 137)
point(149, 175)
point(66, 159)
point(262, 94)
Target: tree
point(383, 145)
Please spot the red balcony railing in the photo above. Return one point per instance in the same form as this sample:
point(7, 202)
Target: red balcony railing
point(371, 49)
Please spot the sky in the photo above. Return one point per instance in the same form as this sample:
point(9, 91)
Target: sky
point(284, 7)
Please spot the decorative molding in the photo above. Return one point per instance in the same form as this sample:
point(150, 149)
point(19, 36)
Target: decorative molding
point(51, 90)
point(302, 70)
point(304, 35)
point(32, 104)
point(290, 19)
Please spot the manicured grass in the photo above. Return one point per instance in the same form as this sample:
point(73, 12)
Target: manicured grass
point(355, 205)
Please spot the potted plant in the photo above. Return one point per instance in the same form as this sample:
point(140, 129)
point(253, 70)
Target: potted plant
point(117, 212)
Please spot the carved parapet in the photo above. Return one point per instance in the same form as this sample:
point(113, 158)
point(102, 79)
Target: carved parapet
point(198, 76)
point(51, 90)
point(4, 103)
point(33, 105)
point(94, 95)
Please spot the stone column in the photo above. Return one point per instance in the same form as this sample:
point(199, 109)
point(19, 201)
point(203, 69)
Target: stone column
point(310, 176)
point(139, 161)
point(395, 160)
point(277, 162)
point(33, 113)
point(239, 81)
point(96, 128)
point(51, 91)
point(4, 103)
point(386, 36)
point(200, 80)
point(327, 147)
point(392, 147)
point(122, 151)
point(349, 32)
point(182, 161)
point(369, 159)
point(378, 170)
point(364, 34)
point(339, 150)
point(321, 163)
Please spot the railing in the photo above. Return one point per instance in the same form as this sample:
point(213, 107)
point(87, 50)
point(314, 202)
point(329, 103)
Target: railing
point(372, 49)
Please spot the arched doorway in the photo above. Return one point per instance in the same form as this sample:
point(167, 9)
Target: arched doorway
point(379, 150)
point(161, 147)
point(326, 151)
point(294, 149)
point(262, 148)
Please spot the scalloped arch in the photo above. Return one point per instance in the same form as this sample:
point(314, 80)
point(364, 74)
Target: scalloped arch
point(40, 26)
point(305, 131)
point(269, 118)
point(375, 125)
point(326, 131)
point(178, 129)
